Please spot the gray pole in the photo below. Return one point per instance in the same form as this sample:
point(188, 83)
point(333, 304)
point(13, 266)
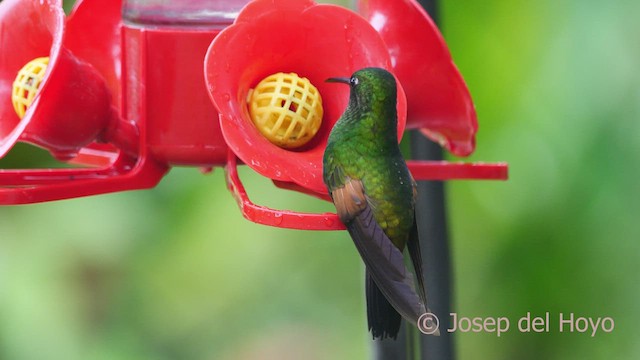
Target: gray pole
point(432, 226)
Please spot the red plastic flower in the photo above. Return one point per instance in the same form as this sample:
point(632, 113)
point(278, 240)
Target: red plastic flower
point(30, 30)
point(75, 106)
point(72, 107)
point(314, 41)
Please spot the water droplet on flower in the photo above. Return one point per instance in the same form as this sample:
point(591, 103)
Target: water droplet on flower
point(278, 217)
point(329, 222)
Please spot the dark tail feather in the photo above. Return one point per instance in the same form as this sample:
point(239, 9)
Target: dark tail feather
point(384, 320)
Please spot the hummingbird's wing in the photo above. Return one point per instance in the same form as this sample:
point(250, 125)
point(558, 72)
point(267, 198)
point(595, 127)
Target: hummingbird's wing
point(413, 247)
point(383, 259)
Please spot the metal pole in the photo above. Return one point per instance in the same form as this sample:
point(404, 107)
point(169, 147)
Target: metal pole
point(432, 226)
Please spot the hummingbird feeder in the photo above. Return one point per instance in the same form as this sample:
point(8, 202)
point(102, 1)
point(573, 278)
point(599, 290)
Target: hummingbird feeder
point(123, 96)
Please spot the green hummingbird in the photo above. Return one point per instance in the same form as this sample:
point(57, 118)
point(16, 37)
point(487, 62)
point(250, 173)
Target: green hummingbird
point(375, 195)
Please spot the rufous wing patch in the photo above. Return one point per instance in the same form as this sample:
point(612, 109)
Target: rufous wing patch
point(349, 199)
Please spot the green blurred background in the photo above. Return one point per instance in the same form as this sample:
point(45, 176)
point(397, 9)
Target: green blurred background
point(177, 273)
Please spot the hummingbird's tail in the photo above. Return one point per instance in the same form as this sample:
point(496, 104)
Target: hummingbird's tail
point(384, 320)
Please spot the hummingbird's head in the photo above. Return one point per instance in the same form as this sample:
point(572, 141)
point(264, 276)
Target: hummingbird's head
point(370, 88)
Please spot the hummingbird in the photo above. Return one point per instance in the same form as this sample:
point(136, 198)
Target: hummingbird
point(375, 195)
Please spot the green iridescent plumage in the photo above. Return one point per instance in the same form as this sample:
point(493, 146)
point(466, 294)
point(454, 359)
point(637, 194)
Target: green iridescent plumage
point(364, 144)
point(374, 194)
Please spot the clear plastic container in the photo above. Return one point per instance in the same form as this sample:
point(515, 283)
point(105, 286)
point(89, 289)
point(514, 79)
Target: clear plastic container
point(191, 13)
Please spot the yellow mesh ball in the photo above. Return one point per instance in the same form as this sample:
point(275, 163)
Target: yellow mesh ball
point(27, 83)
point(286, 109)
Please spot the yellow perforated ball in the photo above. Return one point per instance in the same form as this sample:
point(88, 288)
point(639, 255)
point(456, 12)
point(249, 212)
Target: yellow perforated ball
point(27, 83)
point(286, 109)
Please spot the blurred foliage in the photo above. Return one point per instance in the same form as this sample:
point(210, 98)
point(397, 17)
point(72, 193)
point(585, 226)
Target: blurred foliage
point(177, 273)
point(557, 92)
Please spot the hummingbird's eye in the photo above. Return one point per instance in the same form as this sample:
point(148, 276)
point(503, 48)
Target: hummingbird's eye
point(353, 81)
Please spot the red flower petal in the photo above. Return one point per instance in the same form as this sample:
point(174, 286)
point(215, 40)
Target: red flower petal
point(439, 102)
point(93, 35)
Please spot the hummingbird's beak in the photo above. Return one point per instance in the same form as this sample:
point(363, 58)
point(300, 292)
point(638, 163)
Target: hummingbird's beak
point(339, 80)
